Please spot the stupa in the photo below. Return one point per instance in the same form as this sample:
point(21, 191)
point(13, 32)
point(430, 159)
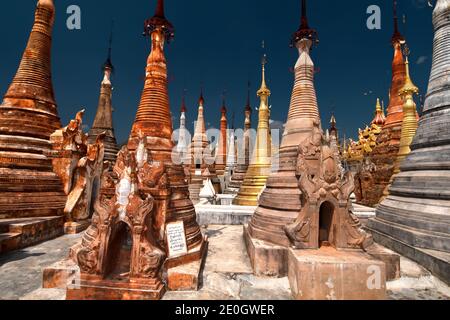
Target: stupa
point(260, 166)
point(414, 219)
point(32, 198)
point(280, 202)
point(231, 157)
point(243, 151)
point(388, 142)
point(103, 122)
point(183, 134)
point(202, 162)
point(222, 143)
point(319, 244)
point(147, 233)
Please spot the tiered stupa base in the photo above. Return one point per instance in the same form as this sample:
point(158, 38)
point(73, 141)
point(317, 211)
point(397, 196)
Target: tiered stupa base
point(237, 179)
point(412, 226)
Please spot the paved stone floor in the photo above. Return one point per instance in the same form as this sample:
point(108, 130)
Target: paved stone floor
point(227, 273)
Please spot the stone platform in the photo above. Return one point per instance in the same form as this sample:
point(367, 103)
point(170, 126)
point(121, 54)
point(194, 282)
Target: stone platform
point(330, 274)
point(267, 259)
point(184, 274)
point(227, 274)
point(20, 233)
point(223, 215)
point(114, 290)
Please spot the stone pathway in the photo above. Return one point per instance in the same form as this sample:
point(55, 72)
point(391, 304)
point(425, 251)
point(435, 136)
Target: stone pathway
point(227, 274)
point(21, 271)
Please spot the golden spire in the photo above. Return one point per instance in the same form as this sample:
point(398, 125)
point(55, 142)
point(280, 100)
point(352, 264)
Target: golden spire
point(409, 124)
point(259, 169)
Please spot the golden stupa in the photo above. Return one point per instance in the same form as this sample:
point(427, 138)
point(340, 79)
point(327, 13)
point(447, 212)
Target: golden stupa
point(409, 124)
point(260, 167)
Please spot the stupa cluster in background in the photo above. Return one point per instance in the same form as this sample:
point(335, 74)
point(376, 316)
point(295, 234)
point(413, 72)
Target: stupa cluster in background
point(141, 206)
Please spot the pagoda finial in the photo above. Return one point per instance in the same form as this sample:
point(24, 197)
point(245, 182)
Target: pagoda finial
point(108, 63)
point(248, 96)
point(264, 90)
point(409, 87)
point(397, 37)
point(304, 32)
point(183, 102)
point(224, 108)
point(232, 121)
point(201, 100)
point(159, 22)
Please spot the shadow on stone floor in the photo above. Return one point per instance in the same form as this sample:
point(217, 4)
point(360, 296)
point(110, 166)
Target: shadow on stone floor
point(18, 256)
point(214, 233)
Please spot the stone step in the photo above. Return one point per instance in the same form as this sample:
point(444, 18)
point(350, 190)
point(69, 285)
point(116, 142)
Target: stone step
point(437, 262)
point(9, 241)
point(415, 221)
point(30, 231)
point(411, 236)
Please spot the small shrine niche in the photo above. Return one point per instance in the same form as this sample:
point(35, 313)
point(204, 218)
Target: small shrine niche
point(121, 248)
point(325, 218)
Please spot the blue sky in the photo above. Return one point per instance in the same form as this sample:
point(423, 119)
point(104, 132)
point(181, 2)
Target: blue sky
point(218, 43)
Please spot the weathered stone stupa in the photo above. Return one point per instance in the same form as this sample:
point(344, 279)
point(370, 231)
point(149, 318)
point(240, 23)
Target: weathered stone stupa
point(222, 144)
point(28, 116)
point(414, 219)
point(388, 142)
point(103, 122)
point(243, 151)
point(143, 236)
point(182, 146)
point(202, 162)
point(231, 157)
point(318, 245)
point(280, 202)
point(260, 166)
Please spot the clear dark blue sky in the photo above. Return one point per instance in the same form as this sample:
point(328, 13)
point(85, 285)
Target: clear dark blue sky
point(219, 43)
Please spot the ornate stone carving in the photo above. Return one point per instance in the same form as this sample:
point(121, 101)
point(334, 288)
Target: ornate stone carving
point(130, 207)
point(87, 178)
point(324, 188)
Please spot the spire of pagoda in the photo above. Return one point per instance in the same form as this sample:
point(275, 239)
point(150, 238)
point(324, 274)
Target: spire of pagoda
point(397, 37)
point(304, 31)
point(379, 118)
point(183, 102)
point(303, 111)
point(159, 21)
point(221, 157)
point(28, 117)
point(153, 117)
point(108, 63)
point(33, 79)
point(260, 166)
point(395, 108)
point(103, 122)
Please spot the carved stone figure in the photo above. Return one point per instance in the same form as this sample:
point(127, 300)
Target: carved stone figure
point(97, 255)
point(86, 182)
point(325, 217)
point(69, 145)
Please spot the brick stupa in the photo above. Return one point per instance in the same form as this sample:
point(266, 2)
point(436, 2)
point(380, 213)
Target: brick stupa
point(303, 227)
point(128, 253)
point(28, 116)
point(103, 122)
point(243, 151)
